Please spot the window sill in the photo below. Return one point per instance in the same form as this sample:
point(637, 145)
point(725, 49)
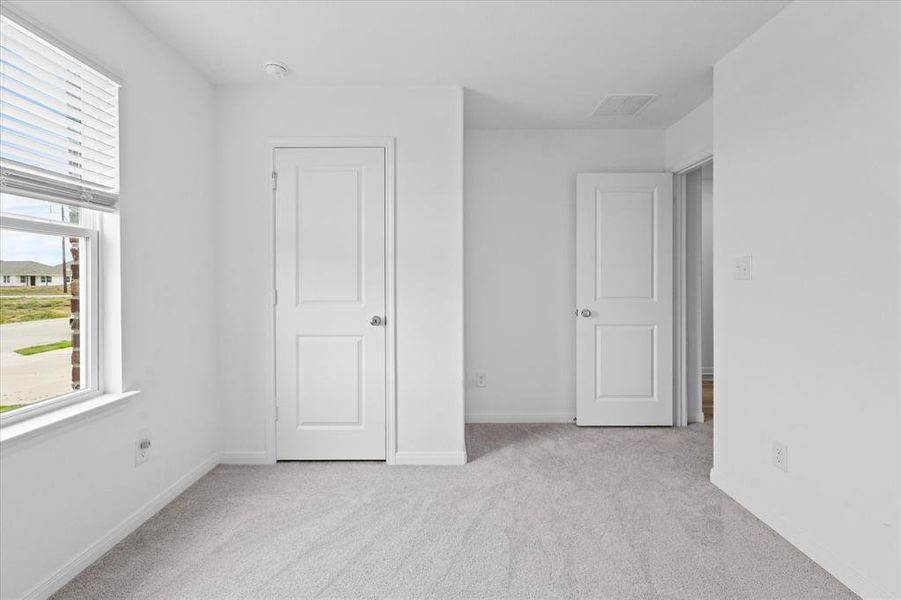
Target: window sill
point(54, 418)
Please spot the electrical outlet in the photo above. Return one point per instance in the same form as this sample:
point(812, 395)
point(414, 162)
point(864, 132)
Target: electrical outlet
point(480, 380)
point(741, 267)
point(142, 448)
point(780, 456)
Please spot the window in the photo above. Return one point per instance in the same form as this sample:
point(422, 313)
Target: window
point(59, 168)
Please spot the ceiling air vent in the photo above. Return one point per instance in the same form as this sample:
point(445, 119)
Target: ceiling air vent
point(623, 105)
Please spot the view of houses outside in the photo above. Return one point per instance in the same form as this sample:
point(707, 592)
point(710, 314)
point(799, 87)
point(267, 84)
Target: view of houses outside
point(28, 273)
point(39, 295)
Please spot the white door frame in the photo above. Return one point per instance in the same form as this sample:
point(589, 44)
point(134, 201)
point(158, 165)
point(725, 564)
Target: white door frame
point(387, 144)
point(680, 293)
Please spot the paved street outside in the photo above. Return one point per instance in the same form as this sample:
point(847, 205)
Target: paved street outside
point(26, 379)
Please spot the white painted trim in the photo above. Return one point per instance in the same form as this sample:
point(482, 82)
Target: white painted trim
point(60, 416)
point(244, 457)
point(332, 142)
point(461, 122)
point(390, 305)
point(109, 303)
point(46, 227)
point(430, 458)
point(564, 417)
point(693, 163)
point(680, 316)
point(388, 145)
point(95, 550)
point(743, 492)
point(271, 409)
point(698, 418)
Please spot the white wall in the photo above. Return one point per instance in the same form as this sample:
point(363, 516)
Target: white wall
point(520, 262)
point(63, 491)
point(690, 139)
point(427, 123)
point(807, 352)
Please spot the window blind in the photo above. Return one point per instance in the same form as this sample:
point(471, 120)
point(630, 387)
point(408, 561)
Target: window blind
point(59, 123)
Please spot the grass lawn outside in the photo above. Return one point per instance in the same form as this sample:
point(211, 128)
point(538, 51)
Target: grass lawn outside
point(33, 290)
point(18, 310)
point(6, 407)
point(44, 348)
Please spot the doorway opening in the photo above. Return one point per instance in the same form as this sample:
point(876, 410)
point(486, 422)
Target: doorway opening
point(695, 311)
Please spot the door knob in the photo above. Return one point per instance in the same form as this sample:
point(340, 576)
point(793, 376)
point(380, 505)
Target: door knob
point(585, 313)
point(375, 321)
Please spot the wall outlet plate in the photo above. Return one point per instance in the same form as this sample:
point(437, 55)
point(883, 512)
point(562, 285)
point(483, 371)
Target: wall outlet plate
point(142, 448)
point(779, 456)
point(480, 380)
point(741, 267)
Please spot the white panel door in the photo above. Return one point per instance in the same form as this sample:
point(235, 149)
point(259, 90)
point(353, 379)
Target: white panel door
point(624, 294)
point(330, 308)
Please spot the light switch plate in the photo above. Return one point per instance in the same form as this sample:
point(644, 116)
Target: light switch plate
point(741, 267)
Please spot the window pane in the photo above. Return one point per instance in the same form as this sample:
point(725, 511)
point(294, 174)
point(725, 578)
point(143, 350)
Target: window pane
point(40, 317)
point(39, 209)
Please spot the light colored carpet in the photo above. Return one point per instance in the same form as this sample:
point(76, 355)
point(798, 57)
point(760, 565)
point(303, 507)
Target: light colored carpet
point(541, 511)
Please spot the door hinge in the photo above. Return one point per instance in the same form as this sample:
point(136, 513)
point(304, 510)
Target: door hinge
point(276, 413)
point(274, 180)
point(274, 297)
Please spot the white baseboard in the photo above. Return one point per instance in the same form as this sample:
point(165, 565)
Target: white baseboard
point(805, 541)
point(564, 417)
point(243, 457)
point(698, 418)
point(115, 535)
point(431, 458)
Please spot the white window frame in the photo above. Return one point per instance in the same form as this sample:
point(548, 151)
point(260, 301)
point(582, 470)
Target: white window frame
point(89, 307)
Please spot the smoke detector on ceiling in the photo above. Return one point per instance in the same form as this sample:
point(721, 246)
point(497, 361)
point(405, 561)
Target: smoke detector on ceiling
point(276, 69)
point(623, 105)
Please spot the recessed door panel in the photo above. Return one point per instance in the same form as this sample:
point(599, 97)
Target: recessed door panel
point(330, 227)
point(624, 361)
point(625, 244)
point(329, 381)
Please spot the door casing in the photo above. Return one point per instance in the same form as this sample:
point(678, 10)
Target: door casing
point(387, 144)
